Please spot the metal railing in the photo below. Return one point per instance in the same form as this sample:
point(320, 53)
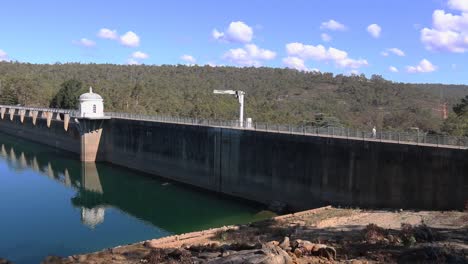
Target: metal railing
point(417, 138)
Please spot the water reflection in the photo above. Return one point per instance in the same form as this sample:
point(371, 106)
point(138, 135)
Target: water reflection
point(168, 207)
point(88, 181)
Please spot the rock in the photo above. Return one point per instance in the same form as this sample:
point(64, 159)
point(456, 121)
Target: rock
point(304, 245)
point(285, 244)
point(298, 252)
point(82, 258)
point(327, 252)
point(5, 261)
point(244, 246)
point(268, 254)
point(308, 248)
point(50, 260)
point(208, 255)
point(176, 253)
point(227, 253)
point(273, 243)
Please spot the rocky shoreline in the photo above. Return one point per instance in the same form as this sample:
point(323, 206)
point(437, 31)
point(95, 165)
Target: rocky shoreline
point(324, 235)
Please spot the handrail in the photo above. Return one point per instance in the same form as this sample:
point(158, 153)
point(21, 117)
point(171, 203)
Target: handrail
point(41, 109)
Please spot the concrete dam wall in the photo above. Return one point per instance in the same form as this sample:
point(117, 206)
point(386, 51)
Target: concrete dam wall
point(302, 171)
point(54, 136)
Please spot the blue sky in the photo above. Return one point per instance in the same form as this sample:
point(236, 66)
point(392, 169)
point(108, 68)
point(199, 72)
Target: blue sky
point(402, 40)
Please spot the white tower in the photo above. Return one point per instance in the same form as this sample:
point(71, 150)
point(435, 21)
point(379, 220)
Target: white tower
point(91, 105)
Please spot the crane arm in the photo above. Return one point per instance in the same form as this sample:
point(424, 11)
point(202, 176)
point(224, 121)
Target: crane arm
point(224, 92)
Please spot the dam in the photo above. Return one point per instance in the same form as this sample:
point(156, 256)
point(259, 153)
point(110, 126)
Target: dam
point(297, 167)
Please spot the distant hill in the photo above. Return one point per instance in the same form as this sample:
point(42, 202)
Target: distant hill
point(273, 95)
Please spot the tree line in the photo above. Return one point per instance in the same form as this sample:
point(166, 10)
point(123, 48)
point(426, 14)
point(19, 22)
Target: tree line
point(273, 95)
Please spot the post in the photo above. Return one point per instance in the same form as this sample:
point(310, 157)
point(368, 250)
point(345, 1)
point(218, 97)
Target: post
point(66, 121)
point(34, 117)
point(240, 95)
point(49, 118)
point(12, 113)
point(22, 114)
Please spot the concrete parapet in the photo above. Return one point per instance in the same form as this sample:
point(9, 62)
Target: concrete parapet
point(34, 115)
point(22, 113)
point(66, 121)
point(12, 113)
point(49, 118)
point(2, 112)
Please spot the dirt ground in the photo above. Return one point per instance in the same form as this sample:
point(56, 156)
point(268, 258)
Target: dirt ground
point(348, 235)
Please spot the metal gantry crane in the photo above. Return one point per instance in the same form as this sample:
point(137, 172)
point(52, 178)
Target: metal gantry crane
point(240, 96)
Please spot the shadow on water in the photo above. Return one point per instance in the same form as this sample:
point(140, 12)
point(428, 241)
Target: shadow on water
point(167, 206)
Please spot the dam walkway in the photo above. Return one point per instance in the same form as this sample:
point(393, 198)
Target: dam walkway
point(407, 138)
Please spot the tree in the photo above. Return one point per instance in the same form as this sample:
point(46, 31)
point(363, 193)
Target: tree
point(8, 96)
point(67, 96)
point(458, 124)
point(462, 107)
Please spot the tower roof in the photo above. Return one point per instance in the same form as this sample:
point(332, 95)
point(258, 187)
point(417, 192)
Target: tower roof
point(90, 96)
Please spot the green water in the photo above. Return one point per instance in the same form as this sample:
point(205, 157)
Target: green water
point(52, 204)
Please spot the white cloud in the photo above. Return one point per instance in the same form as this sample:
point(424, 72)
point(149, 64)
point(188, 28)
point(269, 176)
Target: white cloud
point(237, 31)
point(3, 56)
point(188, 58)
point(320, 53)
point(295, 63)
point(461, 5)
point(449, 32)
point(325, 37)
point(106, 33)
point(297, 49)
point(84, 42)
point(423, 67)
point(217, 35)
point(374, 30)
point(395, 51)
point(130, 39)
point(250, 55)
point(393, 69)
point(333, 25)
point(139, 55)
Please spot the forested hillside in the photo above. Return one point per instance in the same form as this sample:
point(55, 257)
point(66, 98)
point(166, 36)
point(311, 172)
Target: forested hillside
point(272, 95)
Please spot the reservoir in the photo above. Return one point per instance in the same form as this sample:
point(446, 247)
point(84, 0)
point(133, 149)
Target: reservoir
point(52, 204)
